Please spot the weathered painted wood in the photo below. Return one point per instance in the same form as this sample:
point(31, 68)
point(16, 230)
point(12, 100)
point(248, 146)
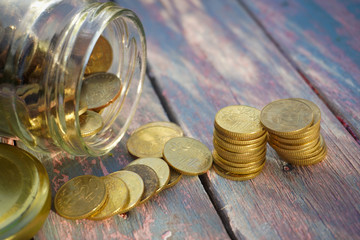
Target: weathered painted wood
point(322, 38)
point(183, 211)
point(209, 54)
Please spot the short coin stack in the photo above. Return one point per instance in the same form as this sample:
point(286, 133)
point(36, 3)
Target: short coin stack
point(239, 143)
point(294, 130)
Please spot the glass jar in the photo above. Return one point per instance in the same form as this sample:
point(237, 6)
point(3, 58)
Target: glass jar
point(46, 48)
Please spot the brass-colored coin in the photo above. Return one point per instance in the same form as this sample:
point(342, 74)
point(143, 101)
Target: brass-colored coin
point(306, 154)
point(218, 158)
point(135, 185)
point(301, 153)
point(310, 161)
point(161, 124)
point(161, 168)
point(101, 57)
point(240, 142)
point(118, 198)
point(240, 148)
point(316, 112)
point(234, 177)
point(80, 197)
point(237, 147)
point(149, 177)
point(285, 146)
point(297, 141)
point(244, 170)
point(90, 123)
point(239, 157)
point(150, 141)
point(99, 90)
point(239, 121)
point(175, 177)
point(187, 155)
point(286, 117)
point(309, 132)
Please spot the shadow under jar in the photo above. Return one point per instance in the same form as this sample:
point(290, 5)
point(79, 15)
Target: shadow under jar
point(48, 50)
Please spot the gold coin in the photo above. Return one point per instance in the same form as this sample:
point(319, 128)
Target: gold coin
point(161, 168)
point(99, 90)
point(316, 112)
point(101, 57)
point(240, 142)
point(299, 151)
point(304, 155)
point(308, 133)
point(285, 146)
point(80, 197)
point(239, 121)
point(310, 161)
point(175, 177)
point(149, 177)
point(118, 198)
point(234, 177)
point(161, 124)
point(135, 185)
point(90, 123)
point(240, 148)
point(286, 117)
point(150, 141)
point(243, 157)
point(187, 155)
point(218, 158)
point(242, 170)
point(296, 141)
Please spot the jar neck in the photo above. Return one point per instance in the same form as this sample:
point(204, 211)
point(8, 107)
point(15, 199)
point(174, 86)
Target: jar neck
point(65, 73)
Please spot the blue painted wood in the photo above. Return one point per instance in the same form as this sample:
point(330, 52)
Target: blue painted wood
point(322, 39)
point(209, 54)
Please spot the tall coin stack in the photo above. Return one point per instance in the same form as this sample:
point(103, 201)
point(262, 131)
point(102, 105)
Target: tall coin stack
point(294, 130)
point(239, 143)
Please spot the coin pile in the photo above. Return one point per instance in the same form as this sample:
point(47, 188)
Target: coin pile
point(294, 130)
point(98, 198)
point(239, 143)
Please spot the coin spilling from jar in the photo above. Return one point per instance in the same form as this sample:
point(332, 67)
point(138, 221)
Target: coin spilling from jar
point(164, 157)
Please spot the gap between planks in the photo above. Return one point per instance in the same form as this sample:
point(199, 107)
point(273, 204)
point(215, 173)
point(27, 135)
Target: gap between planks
point(204, 181)
point(303, 76)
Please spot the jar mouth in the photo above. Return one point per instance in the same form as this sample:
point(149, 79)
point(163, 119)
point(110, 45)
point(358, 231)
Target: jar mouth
point(124, 33)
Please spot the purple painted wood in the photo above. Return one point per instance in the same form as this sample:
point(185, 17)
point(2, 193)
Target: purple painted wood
point(322, 39)
point(183, 211)
point(209, 54)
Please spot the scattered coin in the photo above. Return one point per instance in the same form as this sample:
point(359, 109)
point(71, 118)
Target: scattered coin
point(161, 168)
point(135, 185)
point(118, 198)
point(175, 177)
point(80, 197)
point(187, 155)
point(149, 141)
point(90, 123)
point(149, 177)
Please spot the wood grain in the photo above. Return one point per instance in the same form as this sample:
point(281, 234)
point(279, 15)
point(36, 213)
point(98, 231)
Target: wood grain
point(209, 54)
point(322, 40)
point(183, 211)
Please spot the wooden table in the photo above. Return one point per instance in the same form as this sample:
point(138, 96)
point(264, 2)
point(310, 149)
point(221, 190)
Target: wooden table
point(205, 55)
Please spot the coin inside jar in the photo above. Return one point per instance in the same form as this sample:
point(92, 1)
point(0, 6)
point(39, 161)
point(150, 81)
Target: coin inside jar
point(101, 57)
point(99, 90)
point(90, 123)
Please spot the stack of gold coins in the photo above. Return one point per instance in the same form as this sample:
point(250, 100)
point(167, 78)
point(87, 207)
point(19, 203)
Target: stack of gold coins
point(294, 130)
point(239, 143)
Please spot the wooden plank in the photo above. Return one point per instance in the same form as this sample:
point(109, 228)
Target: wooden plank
point(322, 39)
point(183, 211)
point(209, 54)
